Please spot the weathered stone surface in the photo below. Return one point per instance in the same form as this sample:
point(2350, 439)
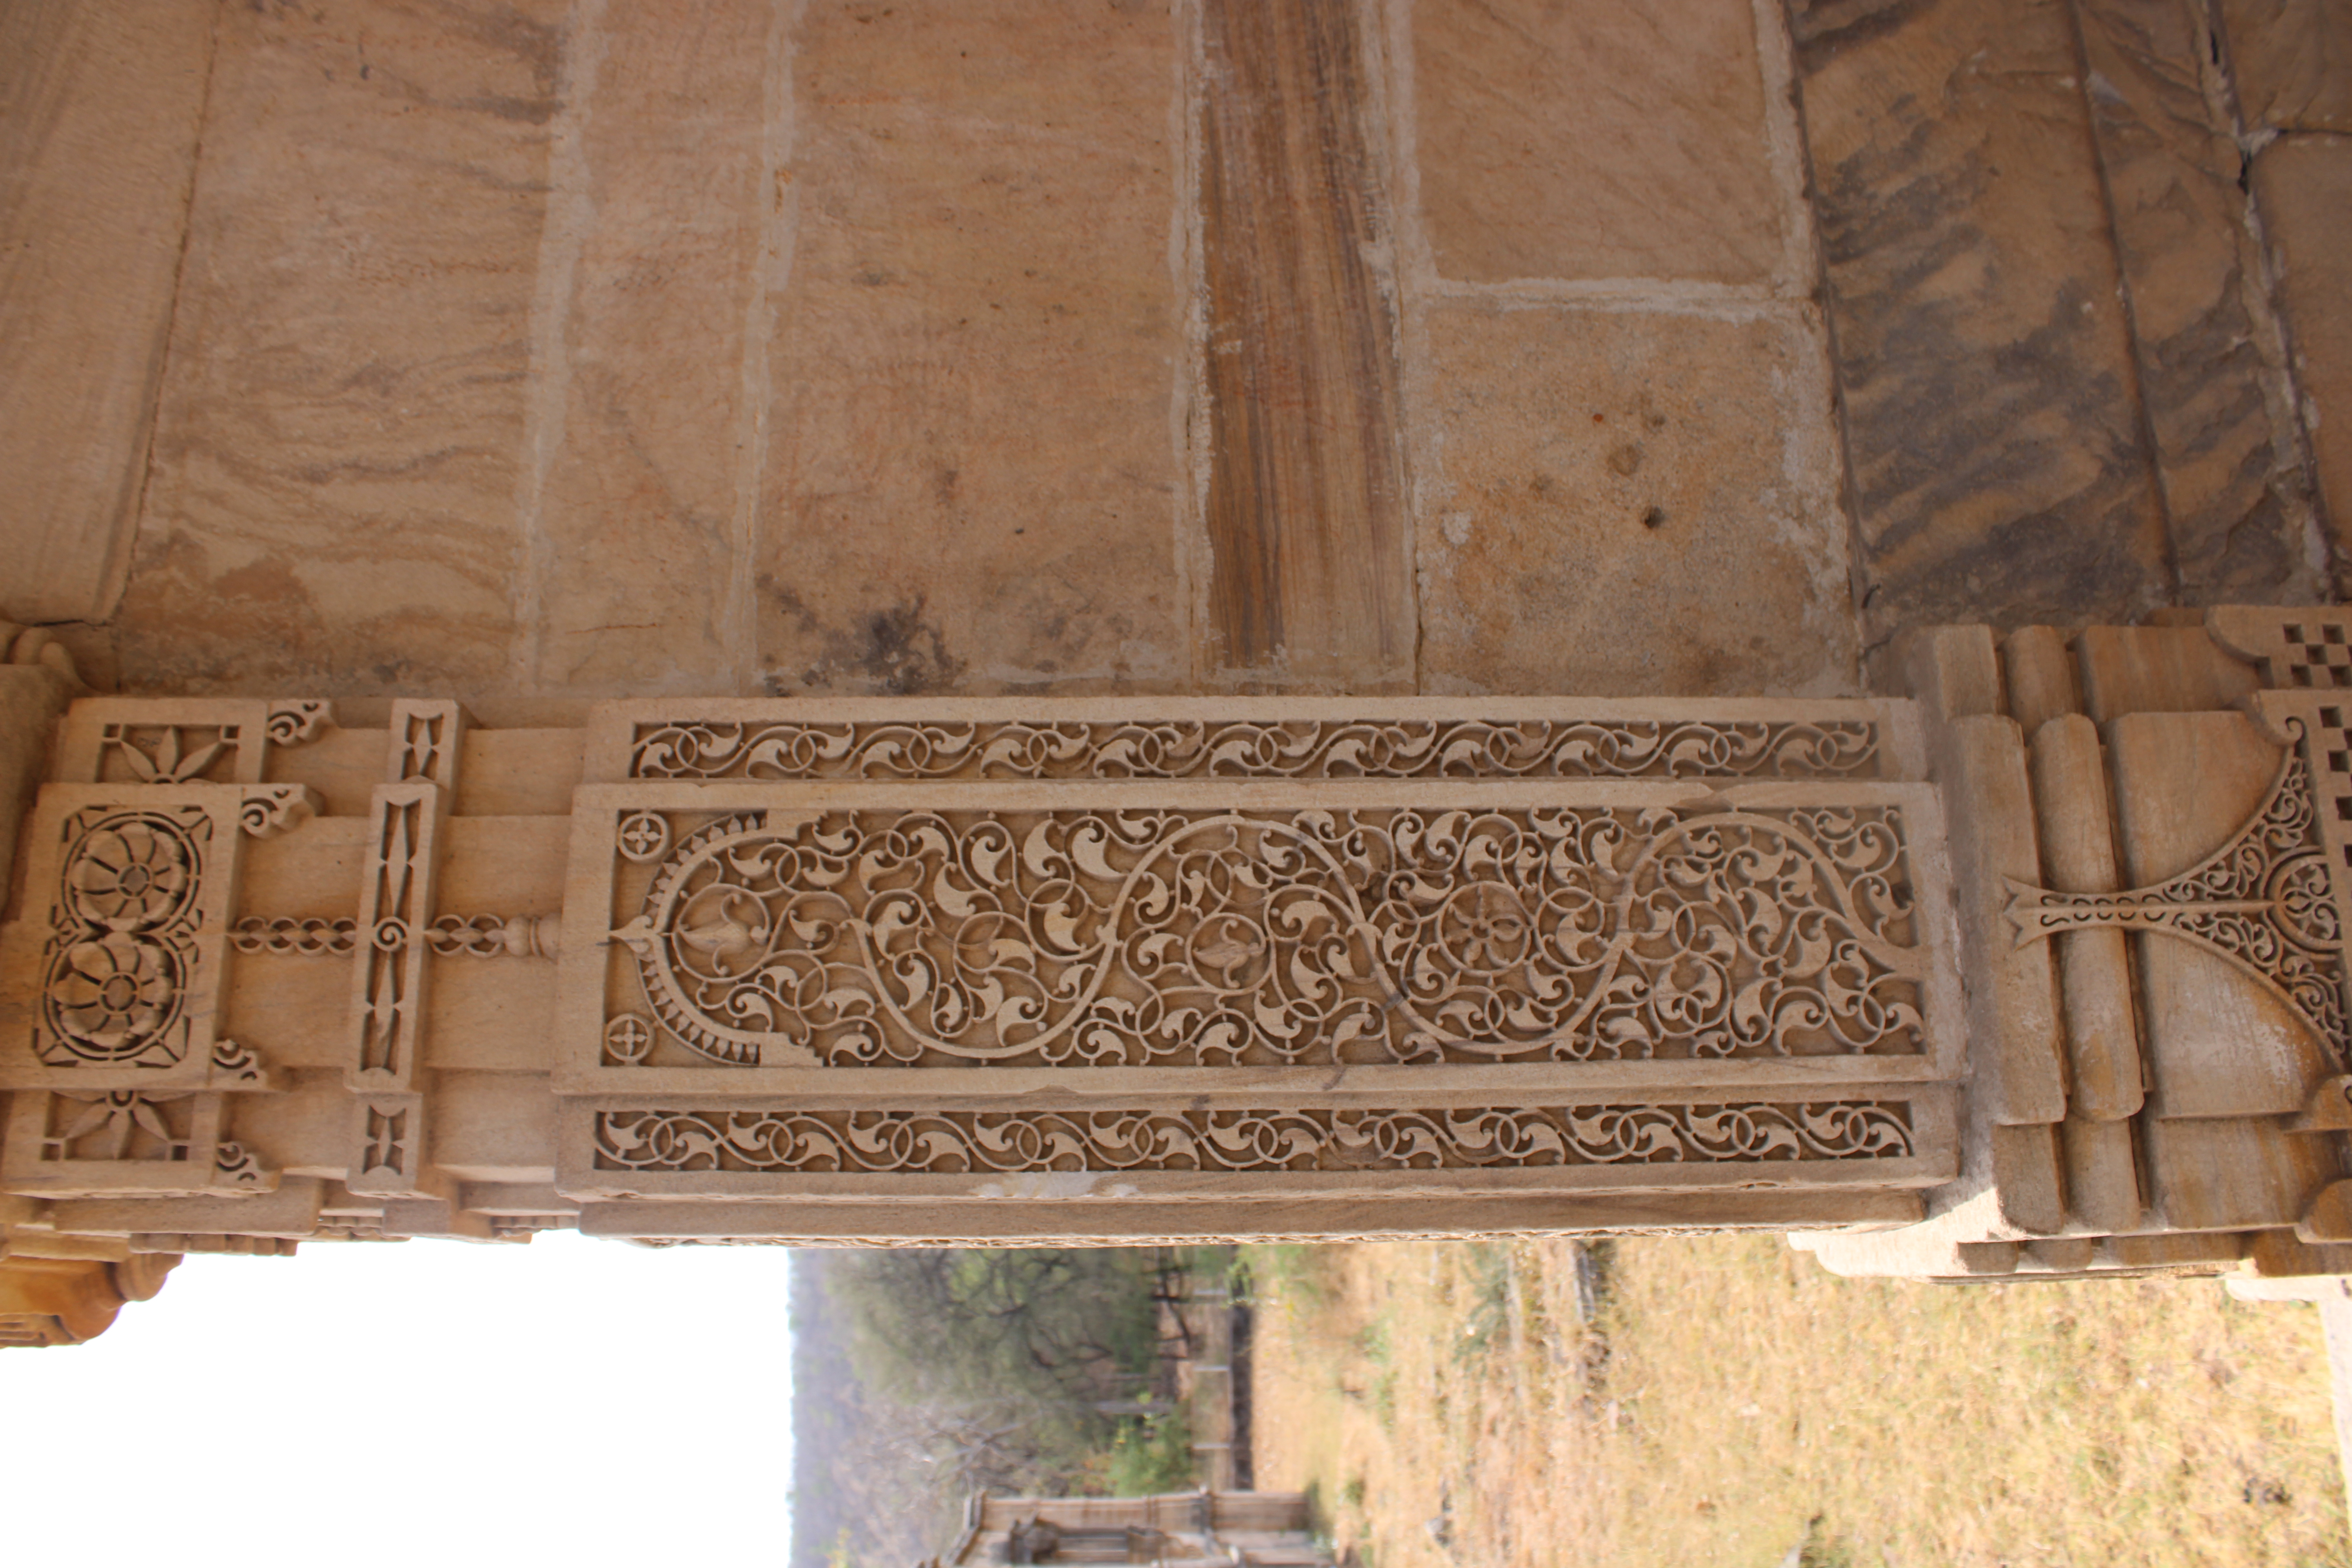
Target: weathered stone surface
point(1595, 140)
point(1620, 502)
point(2305, 186)
point(335, 453)
point(2293, 61)
point(639, 486)
point(100, 104)
point(2078, 856)
point(1983, 358)
point(1305, 509)
point(2158, 669)
point(2236, 496)
point(972, 476)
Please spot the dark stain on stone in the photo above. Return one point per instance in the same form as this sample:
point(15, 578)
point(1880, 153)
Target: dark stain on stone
point(1824, 29)
point(897, 648)
point(2235, 501)
point(1949, 430)
point(523, 110)
point(787, 601)
point(269, 579)
point(894, 649)
point(1654, 518)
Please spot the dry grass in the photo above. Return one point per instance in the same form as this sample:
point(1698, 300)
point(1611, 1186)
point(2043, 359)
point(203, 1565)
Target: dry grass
point(1732, 1402)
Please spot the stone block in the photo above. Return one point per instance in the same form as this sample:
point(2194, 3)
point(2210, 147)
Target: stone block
point(2190, 1249)
point(98, 147)
point(32, 697)
point(2158, 669)
point(2015, 1037)
point(1304, 508)
point(2281, 1254)
point(1595, 140)
point(2070, 1255)
point(649, 379)
point(2228, 449)
point(1983, 356)
point(336, 452)
point(2029, 1172)
point(2292, 62)
point(2040, 677)
point(2102, 1175)
point(2305, 186)
point(2231, 1175)
point(2078, 856)
point(1629, 502)
point(2328, 1221)
point(1954, 672)
point(971, 481)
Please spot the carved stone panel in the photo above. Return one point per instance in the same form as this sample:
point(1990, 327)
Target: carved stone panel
point(120, 1143)
point(1163, 738)
point(1258, 1151)
point(2272, 902)
point(114, 977)
point(179, 740)
point(1187, 926)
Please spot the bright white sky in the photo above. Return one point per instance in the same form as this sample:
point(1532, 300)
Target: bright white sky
point(429, 1404)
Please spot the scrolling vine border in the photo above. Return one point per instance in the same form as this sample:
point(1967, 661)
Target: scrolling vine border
point(954, 1143)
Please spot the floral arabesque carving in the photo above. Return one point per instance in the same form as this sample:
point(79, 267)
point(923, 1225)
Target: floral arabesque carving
point(168, 753)
point(121, 1124)
point(1180, 749)
point(949, 1142)
point(2265, 901)
point(1198, 938)
point(121, 954)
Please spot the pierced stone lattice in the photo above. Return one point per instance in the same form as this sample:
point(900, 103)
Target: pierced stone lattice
point(1106, 937)
point(917, 1142)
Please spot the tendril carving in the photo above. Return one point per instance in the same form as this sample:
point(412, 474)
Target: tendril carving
point(959, 1142)
point(1175, 749)
point(1187, 937)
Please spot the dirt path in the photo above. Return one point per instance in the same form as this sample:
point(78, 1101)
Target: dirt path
point(1724, 1400)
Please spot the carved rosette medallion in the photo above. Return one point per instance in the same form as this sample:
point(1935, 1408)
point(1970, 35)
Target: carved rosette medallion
point(121, 952)
point(1206, 937)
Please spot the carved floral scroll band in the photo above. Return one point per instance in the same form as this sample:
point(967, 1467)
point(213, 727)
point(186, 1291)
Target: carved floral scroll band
point(2265, 903)
point(950, 1143)
point(1188, 937)
point(1178, 749)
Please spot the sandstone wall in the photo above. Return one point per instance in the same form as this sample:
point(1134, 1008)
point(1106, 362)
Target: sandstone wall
point(546, 350)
